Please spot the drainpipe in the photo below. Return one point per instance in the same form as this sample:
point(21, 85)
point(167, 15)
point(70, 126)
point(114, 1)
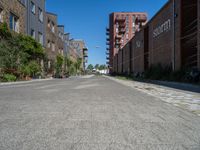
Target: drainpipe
point(174, 37)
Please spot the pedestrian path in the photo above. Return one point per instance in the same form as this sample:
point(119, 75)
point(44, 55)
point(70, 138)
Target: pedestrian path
point(186, 100)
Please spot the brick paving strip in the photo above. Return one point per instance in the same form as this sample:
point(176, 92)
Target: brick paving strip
point(186, 100)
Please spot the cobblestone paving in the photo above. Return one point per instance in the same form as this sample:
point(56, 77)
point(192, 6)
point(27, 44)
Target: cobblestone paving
point(187, 100)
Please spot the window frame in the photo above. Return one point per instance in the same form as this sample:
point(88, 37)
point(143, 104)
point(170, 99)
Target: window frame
point(33, 8)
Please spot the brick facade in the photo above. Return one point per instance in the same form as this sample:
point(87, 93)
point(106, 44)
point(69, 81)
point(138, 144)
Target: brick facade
point(198, 44)
point(126, 59)
point(17, 9)
point(51, 36)
point(120, 62)
point(161, 37)
point(137, 59)
point(170, 38)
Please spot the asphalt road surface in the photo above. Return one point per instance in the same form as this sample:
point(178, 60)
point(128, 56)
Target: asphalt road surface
point(91, 113)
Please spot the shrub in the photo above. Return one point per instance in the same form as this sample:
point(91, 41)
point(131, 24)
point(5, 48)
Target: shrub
point(34, 68)
point(158, 72)
point(9, 78)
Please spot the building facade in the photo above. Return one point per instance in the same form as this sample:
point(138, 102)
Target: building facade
point(51, 38)
point(35, 20)
point(171, 38)
point(122, 27)
point(60, 39)
point(13, 12)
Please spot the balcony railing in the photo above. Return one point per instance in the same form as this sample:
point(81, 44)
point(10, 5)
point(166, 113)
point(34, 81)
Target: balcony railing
point(122, 31)
point(120, 19)
point(118, 36)
point(108, 39)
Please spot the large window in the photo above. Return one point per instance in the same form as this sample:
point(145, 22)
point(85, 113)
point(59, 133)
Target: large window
point(40, 15)
point(1, 15)
point(14, 23)
point(40, 35)
point(33, 33)
point(32, 7)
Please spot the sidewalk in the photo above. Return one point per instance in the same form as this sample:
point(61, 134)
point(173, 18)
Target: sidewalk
point(180, 98)
point(21, 82)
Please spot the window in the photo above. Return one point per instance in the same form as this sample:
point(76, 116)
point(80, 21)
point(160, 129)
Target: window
point(49, 23)
point(32, 7)
point(1, 15)
point(40, 38)
point(33, 33)
point(14, 23)
point(53, 27)
point(48, 44)
point(53, 46)
point(40, 15)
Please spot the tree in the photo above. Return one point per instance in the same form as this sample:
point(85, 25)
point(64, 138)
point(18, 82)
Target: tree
point(102, 67)
point(90, 67)
point(59, 64)
point(96, 66)
point(77, 64)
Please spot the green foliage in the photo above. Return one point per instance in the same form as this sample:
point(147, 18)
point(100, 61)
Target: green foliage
point(9, 78)
point(96, 66)
point(59, 63)
point(102, 67)
point(158, 72)
point(90, 67)
point(4, 31)
point(19, 52)
point(35, 69)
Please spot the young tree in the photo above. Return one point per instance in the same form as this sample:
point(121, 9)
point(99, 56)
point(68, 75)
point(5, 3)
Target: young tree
point(96, 66)
point(90, 67)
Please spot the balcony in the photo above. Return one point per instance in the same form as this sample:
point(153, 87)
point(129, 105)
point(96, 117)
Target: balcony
point(118, 37)
point(85, 55)
point(120, 19)
point(118, 43)
point(107, 53)
point(122, 31)
point(107, 31)
point(85, 49)
point(122, 25)
point(108, 39)
point(108, 58)
point(141, 18)
point(107, 43)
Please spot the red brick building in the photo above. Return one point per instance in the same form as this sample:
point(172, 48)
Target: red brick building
point(122, 27)
point(171, 38)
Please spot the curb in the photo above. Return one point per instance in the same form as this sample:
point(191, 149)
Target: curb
point(22, 82)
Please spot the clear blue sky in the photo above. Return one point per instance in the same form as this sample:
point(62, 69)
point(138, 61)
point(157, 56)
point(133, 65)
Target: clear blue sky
point(87, 19)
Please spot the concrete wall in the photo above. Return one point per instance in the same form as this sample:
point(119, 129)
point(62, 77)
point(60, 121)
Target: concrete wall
point(18, 9)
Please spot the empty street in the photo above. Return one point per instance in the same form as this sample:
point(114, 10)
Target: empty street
point(91, 113)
